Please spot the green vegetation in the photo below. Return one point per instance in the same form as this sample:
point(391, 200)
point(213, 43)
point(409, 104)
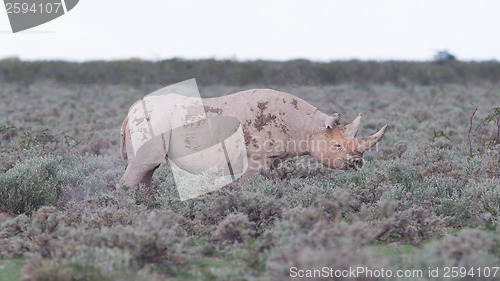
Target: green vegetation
point(141, 73)
point(419, 201)
point(10, 269)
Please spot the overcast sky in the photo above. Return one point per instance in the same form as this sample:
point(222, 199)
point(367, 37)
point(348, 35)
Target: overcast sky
point(278, 30)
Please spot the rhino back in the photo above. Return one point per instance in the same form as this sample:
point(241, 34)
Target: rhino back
point(266, 116)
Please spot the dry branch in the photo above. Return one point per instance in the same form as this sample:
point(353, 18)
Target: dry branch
point(470, 129)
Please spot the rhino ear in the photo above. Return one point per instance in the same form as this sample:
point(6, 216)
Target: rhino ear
point(331, 121)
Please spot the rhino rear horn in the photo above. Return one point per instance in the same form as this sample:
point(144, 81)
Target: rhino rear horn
point(366, 143)
point(331, 121)
point(351, 129)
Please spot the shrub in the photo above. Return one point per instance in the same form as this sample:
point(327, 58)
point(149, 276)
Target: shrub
point(41, 180)
point(489, 197)
point(418, 224)
point(210, 209)
point(104, 242)
point(471, 248)
point(12, 242)
point(235, 228)
point(31, 184)
point(340, 246)
point(14, 226)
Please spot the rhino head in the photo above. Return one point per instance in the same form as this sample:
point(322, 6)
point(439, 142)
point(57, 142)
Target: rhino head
point(339, 148)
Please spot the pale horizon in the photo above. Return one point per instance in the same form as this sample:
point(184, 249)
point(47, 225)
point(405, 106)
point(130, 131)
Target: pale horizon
point(322, 31)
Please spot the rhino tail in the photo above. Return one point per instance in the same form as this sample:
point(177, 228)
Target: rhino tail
point(122, 140)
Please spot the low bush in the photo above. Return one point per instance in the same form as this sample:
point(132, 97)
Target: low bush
point(31, 184)
point(338, 246)
point(234, 228)
point(471, 249)
point(41, 180)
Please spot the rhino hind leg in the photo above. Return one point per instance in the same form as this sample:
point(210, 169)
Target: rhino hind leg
point(147, 179)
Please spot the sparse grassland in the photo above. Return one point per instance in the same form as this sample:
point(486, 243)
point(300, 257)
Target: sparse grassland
point(419, 201)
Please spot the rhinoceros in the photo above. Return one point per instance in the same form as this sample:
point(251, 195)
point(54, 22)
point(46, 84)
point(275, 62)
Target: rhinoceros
point(275, 126)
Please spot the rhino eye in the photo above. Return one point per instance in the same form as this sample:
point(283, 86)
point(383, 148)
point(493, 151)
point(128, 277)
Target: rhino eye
point(337, 145)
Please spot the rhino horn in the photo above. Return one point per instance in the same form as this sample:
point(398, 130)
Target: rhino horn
point(366, 143)
point(351, 129)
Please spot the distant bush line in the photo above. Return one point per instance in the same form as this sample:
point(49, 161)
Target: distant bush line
point(136, 72)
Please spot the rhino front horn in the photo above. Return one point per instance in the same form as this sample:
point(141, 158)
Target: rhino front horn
point(364, 144)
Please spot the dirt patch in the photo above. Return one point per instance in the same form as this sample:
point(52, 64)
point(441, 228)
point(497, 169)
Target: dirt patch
point(210, 109)
point(247, 136)
point(262, 105)
point(138, 121)
point(261, 119)
point(284, 128)
point(294, 102)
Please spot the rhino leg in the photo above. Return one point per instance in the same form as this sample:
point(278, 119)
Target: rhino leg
point(137, 173)
point(147, 179)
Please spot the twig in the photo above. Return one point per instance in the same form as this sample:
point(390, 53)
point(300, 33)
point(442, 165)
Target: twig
point(470, 129)
point(498, 130)
point(328, 97)
point(341, 109)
